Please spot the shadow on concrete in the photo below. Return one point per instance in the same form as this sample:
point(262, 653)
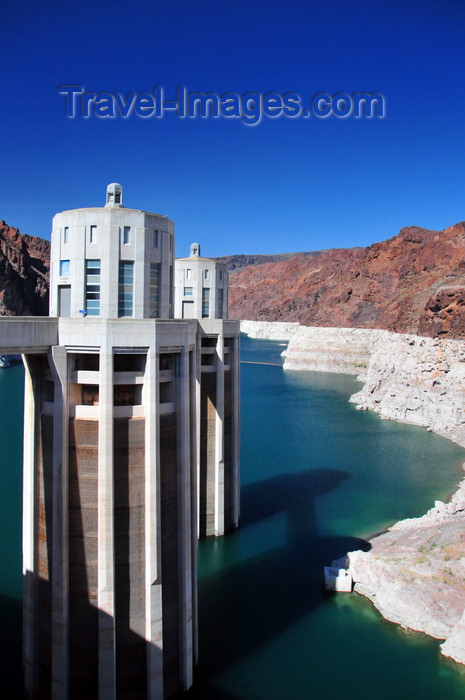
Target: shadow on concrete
point(11, 682)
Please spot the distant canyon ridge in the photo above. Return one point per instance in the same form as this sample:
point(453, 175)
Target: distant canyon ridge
point(413, 282)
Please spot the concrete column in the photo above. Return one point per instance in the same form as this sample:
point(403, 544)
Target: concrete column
point(236, 427)
point(197, 284)
point(153, 587)
point(109, 280)
point(29, 534)
point(194, 420)
point(60, 546)
point(213, 292)
point(225, 294)
point(186, 523)
point(106, 571)
point(77, 256)
point(219, 438)
point(198, 392)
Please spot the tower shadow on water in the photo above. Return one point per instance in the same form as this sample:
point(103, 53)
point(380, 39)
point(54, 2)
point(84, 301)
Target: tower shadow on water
point(255, 600)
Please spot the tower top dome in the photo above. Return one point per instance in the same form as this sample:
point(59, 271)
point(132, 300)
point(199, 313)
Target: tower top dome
point(114, 196)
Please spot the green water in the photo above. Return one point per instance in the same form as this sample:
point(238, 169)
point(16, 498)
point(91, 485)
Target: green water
point(317, 478)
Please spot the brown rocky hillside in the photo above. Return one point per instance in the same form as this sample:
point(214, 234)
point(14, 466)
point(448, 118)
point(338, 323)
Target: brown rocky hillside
point(413, 282)
point(24, 273)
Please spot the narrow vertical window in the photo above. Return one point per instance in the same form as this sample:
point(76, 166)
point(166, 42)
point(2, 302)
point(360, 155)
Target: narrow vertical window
point(205, 274)
point(65, 234)
point(188, 273)
point(125, 288)
point(205, 302)
point(126, 235)
point(93, 287)
point(154, 290)
point(93, 234)
point(155, 238)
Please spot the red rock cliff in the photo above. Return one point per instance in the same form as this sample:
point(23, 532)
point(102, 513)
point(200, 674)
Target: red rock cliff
point(24, 273)
point(413, 282)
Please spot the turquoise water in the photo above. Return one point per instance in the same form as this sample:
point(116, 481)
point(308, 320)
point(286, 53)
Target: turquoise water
point(318, 477)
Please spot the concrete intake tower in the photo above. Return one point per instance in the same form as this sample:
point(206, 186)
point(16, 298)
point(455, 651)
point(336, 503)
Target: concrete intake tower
point(131, 452)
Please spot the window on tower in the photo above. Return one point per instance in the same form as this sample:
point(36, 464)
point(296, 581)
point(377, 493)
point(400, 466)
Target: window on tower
point(93, 287)
point(125, 288)
point(205, 302)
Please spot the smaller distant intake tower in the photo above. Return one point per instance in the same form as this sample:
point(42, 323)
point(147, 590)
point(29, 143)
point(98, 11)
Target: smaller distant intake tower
point(201, 287)
point(131, 453)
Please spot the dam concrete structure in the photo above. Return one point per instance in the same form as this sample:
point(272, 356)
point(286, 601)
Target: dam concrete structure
point(131, 452)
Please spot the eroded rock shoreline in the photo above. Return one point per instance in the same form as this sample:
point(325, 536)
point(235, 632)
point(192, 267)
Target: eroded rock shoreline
point(415, 571)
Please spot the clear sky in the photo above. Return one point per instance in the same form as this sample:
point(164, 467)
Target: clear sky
point(286, 184)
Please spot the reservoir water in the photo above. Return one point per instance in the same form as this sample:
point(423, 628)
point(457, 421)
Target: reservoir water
point(318, 477)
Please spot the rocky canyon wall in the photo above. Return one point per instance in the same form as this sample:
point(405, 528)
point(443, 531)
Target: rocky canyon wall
point(417, 380)
point(411, 283)
point(24, 273)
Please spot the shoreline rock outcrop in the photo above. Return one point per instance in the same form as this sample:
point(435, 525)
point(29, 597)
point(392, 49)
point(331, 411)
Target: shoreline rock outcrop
point(338, 350)
point(269, 330)
point(415, 573)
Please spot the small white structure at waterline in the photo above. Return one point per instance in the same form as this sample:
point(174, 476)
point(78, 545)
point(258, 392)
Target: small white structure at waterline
point(339, 580)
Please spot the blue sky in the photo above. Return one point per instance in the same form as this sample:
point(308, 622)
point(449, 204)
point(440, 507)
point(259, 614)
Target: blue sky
point(282, 185)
